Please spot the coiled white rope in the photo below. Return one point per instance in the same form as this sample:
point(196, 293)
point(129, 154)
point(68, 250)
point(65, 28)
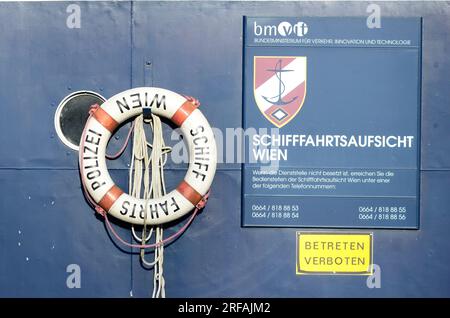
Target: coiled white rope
point(141, 164)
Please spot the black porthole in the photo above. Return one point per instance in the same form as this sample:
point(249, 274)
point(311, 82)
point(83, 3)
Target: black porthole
point(71, 116)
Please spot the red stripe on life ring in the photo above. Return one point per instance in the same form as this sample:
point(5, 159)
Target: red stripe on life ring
point(110, 197)
point(183, 113)
point(189, 192)
point(105, 119)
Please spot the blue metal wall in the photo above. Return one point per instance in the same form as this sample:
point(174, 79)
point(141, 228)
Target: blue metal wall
point(195, 48)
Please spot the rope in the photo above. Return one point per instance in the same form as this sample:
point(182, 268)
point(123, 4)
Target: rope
point(121, 150)
point(193, 100)
point(163, 242)
point(153, 189)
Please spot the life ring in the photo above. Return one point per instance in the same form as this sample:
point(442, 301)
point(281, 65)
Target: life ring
point(197, 134)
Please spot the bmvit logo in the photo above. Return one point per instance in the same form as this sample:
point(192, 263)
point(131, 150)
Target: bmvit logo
point(283, 29)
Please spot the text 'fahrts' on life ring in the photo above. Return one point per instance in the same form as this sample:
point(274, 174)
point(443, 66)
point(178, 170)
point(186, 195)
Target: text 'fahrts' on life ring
point(197, 134)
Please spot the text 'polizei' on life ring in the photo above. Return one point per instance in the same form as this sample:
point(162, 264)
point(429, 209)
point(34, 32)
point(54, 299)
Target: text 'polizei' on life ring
point(196, 132)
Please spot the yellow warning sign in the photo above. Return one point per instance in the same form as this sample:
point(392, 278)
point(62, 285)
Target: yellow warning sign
point(334, 253)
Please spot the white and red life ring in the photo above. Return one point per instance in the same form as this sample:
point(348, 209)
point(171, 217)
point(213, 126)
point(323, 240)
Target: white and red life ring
point(197, 134)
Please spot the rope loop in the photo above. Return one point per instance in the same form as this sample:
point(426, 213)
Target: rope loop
point(93, 109)
point(100, 210)
point(193, 100)
point(202, 203)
